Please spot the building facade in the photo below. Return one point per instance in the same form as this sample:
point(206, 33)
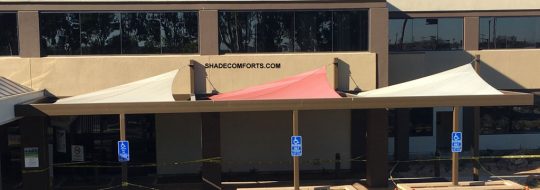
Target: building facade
point(73, 47)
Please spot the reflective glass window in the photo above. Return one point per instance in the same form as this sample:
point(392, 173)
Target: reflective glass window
point(510, 120)
point(60, 34)
point(350, 31)
point(119, 33)
point(293, 31)
point(238, 31)
point(275, 32)
point(313, 31)
point(100, 33)
point(425, 34)
point(509, 32)
point(9, 41)
point(141, 33)
point(179, 32)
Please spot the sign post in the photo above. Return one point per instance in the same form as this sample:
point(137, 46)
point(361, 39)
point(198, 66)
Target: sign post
point(123, 139)
point(456, 146)
point(296, 150)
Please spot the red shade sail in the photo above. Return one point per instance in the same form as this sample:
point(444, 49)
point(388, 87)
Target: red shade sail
point(308, 85)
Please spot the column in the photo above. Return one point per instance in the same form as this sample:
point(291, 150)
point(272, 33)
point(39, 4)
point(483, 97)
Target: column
point(208, 32)
point(211, 148)
point(28, 24)
point(34, 137)
point(378, 42)
point(377, 148)
point(471, 33)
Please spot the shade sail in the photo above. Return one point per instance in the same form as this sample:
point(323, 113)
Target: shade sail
point(460, 81)
point(153, 89)
point(308, 85)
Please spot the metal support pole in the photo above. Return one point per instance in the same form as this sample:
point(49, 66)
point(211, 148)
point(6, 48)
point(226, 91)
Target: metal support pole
point(336, 73)
point(455, 155)
point(296, 159)
point(476, 130)
point(123, 138)
point(192, 81)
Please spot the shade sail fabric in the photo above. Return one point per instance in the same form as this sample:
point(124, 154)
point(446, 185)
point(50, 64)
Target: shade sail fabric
point(153, 89)
point(308, 85)
point(461, 80)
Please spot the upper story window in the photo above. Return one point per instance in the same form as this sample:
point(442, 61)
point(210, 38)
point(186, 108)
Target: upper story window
point(293, 31)
point(425, 34)
point(509, 32)
point(119, 33)
point(9, 40)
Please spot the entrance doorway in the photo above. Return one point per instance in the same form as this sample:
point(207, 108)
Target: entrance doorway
point(443, 128)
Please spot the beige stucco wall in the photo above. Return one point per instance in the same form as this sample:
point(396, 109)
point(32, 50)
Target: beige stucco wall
point(511, 69)
point(460, 5)
point(69, 76)
point(16, 69)
point(503, 69)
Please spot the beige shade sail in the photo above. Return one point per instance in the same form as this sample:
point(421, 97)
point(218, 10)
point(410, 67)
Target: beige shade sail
point(460, 81)
point(153, 89)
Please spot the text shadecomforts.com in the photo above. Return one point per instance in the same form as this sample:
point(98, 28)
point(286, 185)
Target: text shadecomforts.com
point(242, 65)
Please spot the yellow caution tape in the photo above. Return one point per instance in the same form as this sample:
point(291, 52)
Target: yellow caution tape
point(314, 161)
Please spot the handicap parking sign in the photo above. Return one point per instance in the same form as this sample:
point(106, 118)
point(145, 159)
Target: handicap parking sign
point(123, 151)
point(296, 146)
point(457, 144)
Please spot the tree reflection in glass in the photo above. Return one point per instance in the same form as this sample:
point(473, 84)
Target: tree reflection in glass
point(313, 31)
point(275, 32)
point(60, 34)
point(350, 31)
point(237, 31)
point(100, 33)
point(179, 33)
point(9, 41)
point(141, 33)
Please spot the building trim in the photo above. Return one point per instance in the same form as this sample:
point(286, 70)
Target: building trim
point(147, 6)
point(398, 15)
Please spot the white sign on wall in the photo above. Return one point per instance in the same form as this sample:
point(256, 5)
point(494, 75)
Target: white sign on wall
point(77, 153)
point(31, 157)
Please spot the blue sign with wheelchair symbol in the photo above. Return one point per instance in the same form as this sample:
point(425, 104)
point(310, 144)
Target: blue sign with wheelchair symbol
point(457, 144)
point(123, 151)
point(296, 146)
